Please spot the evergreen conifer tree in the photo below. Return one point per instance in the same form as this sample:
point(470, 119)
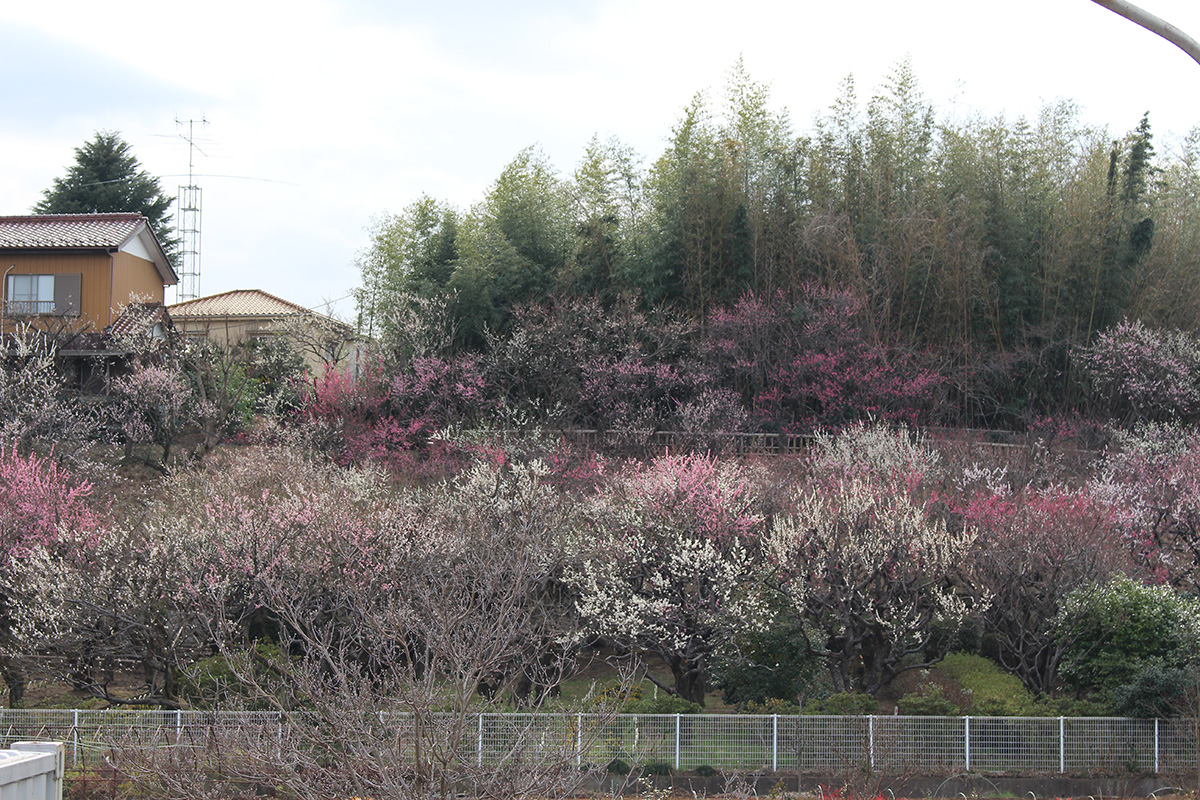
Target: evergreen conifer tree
point(107, 177)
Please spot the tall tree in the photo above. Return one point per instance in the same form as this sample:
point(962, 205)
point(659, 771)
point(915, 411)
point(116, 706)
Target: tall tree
point(107, 177)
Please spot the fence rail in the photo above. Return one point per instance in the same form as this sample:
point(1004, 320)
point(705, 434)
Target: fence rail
point(807, 744)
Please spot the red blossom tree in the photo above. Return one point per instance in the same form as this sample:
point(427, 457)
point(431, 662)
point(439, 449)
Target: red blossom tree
point(1032, 550)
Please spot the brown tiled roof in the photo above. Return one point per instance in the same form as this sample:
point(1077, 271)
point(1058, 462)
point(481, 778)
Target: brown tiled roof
point(139, 319)
point(69, 230)
point(248, 303)
point(238, 303)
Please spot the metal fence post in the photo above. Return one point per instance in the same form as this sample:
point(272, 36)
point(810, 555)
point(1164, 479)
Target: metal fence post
point(677, 716)
point(579, 740)
point(1156, 745)
point(871, 738)
point(1062, 746)
point(178, 724)
point(967, 741)
point(75, 740)
point(774, 743)
point(479, 752)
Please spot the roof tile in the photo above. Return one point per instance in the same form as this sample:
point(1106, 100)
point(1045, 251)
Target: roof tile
point(69, 230)
point(238, 303)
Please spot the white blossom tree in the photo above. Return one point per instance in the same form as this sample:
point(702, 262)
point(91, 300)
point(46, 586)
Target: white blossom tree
point(865, 561)
point(668, 566)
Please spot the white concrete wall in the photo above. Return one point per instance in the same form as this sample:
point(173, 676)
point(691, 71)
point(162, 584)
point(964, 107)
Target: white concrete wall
point(32, 771)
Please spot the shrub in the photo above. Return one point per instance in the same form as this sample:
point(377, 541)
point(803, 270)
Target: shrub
point(658, 768)
point(618, 766)
point(1124, 626)
point(843, 704)
point(663, 704)
point(992, 691)
point(768, 667)
point(929, 702)
point(1156, 690)
point(772, 705)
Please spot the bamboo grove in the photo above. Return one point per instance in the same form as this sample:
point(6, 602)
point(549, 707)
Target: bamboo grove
point(986, 247)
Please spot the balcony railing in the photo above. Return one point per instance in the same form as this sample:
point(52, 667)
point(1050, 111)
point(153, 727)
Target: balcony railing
point(28, 308)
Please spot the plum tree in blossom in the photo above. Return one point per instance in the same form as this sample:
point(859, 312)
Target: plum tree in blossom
point(1135, 373)
point(396, 623)
point(37, 410)
point(807, 362)
point(1033, 549)
point(42, 500)
point(390, 608)
point(867, 560)
point(378, 416)
point(152, 406)
point(42, 505)
point(667, 566)
point(1151, 478)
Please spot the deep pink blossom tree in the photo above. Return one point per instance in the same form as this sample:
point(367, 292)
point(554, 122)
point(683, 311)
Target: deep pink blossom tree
point(1033, 549)
point(41, 502)
point(806, 362)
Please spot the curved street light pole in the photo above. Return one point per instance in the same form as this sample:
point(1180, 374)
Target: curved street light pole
point(1155, 25)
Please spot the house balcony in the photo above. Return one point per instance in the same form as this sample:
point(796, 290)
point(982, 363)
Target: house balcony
point(28, 308)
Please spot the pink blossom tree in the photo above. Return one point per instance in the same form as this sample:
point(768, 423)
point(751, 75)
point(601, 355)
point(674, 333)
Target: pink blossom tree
point(806, 362)
point(42, 505)
point(153, 405)
point(1135, 373)
point(1151, 479)
point(1033, 549)
point(390, 418)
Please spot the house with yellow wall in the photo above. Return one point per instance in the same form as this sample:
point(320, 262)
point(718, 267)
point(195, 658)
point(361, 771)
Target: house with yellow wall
point(79, 270)
point(241, 315)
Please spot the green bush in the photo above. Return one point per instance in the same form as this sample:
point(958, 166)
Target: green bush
point(928, 703)
point(775, 664)
point(1119, 628)
point(1157, 690)
point(843, 704)
point(772, 705)
point(619, 766)
point(705, 771)
point(662, 704)
point(658, 768)
point(211, 681)
point(992, 692)
point(1070, 707)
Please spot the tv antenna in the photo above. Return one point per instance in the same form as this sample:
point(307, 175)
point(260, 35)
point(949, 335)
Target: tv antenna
point(187, 218)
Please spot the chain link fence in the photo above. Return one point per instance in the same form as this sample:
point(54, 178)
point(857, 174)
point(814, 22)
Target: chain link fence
point(805, 744)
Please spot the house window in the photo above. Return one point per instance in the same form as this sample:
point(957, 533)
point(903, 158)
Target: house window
point(30, 294)
point(43, 294)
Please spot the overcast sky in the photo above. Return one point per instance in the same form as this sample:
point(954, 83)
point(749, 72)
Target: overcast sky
point(323, 114)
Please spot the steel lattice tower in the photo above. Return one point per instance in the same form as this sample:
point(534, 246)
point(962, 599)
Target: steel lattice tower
point(187, 224)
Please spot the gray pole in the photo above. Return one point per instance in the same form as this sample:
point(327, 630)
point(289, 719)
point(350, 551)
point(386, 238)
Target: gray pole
point(1155, 25)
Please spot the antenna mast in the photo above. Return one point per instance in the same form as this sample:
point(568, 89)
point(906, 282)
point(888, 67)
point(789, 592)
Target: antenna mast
point(187, 221)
